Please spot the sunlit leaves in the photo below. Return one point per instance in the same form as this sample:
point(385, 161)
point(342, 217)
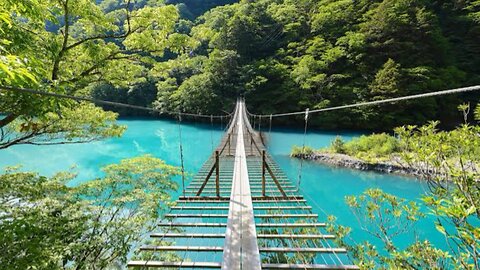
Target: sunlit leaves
point(152, 25)
point(474, 10)
point(449, 160)
point(81, 123)
point(477, 113)
point(387, 81)
point(47, 224)
point(87, 45)
point(385, 216)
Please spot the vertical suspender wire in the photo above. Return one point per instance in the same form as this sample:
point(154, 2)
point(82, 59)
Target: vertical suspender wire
point(303, 150)
point(260, 124)
point(260, 129)
point(181, 151)
point(270, 129)
point(211, 131)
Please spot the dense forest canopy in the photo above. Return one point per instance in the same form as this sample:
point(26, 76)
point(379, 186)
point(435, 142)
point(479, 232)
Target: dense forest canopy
point(290, 55)
point(282, 55)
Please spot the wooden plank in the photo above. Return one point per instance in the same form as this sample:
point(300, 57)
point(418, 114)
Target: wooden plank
point(309, 266)
point(274, 193)
point(296, 236)
point(193, 215)
point(286, 216)
point(302, 249)
point(291, 225)
point(269, 200)
point(200, 208)
point(182, 248)
point(172, 224)
point(196, 198)
point(187, 235)
point(276, 198)
point(300, 207)
point(159, 264)
point(229, 188)
point(204, 201)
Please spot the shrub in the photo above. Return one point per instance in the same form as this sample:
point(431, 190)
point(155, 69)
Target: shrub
point(338, 145)
point(376, 146)
point(301, 151)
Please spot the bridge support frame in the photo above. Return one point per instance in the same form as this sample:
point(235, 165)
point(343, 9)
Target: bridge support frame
point(216, 168)
point(267, 167)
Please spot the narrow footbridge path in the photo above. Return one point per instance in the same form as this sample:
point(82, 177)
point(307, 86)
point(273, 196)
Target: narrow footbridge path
point(242, 212)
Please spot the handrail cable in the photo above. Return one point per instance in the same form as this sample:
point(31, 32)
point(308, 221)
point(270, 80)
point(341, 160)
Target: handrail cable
point(104, 102)
point(376, 102)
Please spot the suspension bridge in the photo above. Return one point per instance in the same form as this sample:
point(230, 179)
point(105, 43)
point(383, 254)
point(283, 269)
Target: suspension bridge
point(242, 212)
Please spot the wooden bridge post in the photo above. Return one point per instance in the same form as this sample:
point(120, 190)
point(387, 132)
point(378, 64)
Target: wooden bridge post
point(217, 173)
point(263, 174)
point(251, 143)
point(229, 143)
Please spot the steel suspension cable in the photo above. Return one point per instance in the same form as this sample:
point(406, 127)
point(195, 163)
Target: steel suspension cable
point(101, 102)
point(383, 101)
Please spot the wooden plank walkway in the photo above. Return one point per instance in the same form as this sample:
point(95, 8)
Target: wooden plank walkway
point(241, 212)
point(241, 248)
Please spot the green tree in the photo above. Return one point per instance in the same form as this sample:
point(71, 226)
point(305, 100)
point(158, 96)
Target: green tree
point(84, 45)
point(47, 224)
point(315, 54)
point(387, 81)
point(449, 162)
point(384, 217)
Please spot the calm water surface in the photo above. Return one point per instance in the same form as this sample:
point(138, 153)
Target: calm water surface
point(325, 187)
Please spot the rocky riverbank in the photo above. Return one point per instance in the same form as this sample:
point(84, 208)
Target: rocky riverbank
point(346, 161)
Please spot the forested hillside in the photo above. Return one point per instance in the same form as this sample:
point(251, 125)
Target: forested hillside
point(290, 55)
point(282, 55)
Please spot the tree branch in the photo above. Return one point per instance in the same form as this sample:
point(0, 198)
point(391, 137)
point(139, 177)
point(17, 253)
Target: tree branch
point(8, 119)
point(56, 63)
point(125, 35)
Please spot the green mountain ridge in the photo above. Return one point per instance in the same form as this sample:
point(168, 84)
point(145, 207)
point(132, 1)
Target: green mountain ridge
point(292, 55)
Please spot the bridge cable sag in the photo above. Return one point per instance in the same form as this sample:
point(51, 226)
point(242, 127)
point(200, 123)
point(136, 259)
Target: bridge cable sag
point(378, 102)
point(103, 102)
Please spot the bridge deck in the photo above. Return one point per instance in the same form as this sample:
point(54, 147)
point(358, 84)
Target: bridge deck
point(242, 212)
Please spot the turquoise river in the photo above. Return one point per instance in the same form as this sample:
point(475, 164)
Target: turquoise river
point(324, 187)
